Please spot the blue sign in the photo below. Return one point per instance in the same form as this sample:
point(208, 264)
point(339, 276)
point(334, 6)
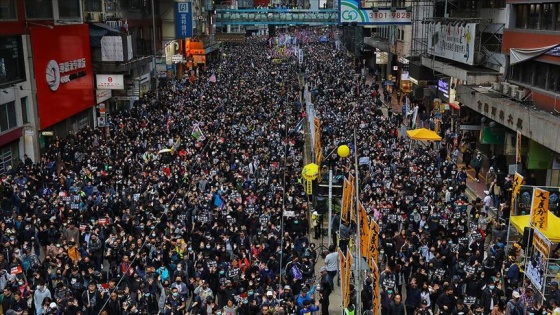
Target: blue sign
point(183, 20)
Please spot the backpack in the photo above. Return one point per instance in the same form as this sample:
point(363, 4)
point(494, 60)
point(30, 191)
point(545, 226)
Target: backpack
point(517, 310)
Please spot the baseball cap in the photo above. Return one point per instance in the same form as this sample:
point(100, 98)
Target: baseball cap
point(515, 294)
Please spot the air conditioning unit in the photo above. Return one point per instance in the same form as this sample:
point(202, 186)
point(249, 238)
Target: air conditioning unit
point(513, 91)
point(115, 24)
point(521, 94)
point(505, 88)
point(93, 16)
point(497, 86)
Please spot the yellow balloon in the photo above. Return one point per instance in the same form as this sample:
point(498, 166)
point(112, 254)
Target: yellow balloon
point(310, 171)
point(343, 151)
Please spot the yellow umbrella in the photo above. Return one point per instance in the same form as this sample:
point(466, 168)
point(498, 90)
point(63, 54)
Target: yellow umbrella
point(310, 171)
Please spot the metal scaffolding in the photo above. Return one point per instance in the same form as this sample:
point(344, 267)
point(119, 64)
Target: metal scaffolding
point(422, 10)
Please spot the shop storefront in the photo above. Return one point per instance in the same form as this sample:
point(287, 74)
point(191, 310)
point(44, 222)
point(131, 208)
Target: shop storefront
point(64, 78)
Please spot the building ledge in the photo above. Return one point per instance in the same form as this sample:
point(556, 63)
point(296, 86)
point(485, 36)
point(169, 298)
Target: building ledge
point(532, 122)
point(471, 75)
point(378, 42)
point(122, 66)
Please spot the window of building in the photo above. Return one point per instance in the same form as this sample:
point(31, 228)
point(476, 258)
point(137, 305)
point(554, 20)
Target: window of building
point(547, 22)
point(557, 24)
point(534, 13)
point(493, 4)
point(8, 118)
point(38, 9)
point(24, 110)
point(553, 78)
point(69, 9)
point(12, 67)
point(8, 10)
point(527, 72)
point(522, 14)
point(541, 71)
point(93, 5)
point(8, 156)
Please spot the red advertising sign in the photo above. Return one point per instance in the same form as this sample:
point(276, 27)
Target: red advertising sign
point(63, 73)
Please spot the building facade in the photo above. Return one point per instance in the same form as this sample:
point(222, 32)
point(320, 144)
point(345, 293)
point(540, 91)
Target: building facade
point(54, 70)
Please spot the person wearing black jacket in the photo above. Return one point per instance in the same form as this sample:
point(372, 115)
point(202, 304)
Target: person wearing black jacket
point(490, 296)
point(446, 301)
point(325, 290)
point(397, 307)
point(412, 297)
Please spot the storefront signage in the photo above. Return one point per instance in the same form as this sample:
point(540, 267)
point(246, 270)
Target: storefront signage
point(177, 58)
point(453, 42)
point(443, 88)
point(126, 98)
point(110, 81)
point(350, 12)
point(102, 95)
point(112, 48)
point(183, 20)
point(63, 71)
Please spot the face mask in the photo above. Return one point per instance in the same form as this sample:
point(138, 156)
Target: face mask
point(250, 292)
point(27, 227)
point(175, 294)
point(178, 281)
point(190, 249)
point(491, 287)
point(147, 294)
point(222, 272)
point(179, 268)
point(40, 287)
point(207, 246)
point(20, 282)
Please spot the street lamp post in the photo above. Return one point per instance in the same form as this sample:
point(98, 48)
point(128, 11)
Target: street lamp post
point(154, 46)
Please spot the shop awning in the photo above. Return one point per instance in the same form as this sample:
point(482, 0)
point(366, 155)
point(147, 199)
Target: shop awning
point(520, 222)
point(454, 105)
point(518, 55)
point(423, 134)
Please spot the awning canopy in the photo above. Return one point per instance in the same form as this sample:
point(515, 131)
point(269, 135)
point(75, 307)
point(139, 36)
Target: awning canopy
point(518, 55)
point(423, 134)
point(520, 222)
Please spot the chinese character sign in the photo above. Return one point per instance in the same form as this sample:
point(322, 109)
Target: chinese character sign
point(183, 20)
point(539, 209)
point(346, 199)
point(538, 259)
point(517, 181)
point(364, 230)
point(373, 251)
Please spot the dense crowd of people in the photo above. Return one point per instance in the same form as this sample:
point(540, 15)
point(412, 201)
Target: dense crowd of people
point(178, 207)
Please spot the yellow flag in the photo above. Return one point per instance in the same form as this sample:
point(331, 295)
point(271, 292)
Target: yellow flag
point(346, 199)
point(342, 265)
point(539, 209)
point(376, 294)
point(517, 181)
point(349, 260)
point(352, 199)
point(364, 230)
point(373, 242)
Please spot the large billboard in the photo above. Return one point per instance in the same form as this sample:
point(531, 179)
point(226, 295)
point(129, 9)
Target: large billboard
point(63, 73)
point(452, 40)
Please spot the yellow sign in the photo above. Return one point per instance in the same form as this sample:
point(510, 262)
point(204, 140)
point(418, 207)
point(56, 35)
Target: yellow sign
point(309, 187)
point(342, 265)
point(349, 260)
point(541, 244)
point(364, 230)
point(517, 181)
point(373, 243)
point(539, 209)
point(346, 199)
point(352, 199)
point(376, 294)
